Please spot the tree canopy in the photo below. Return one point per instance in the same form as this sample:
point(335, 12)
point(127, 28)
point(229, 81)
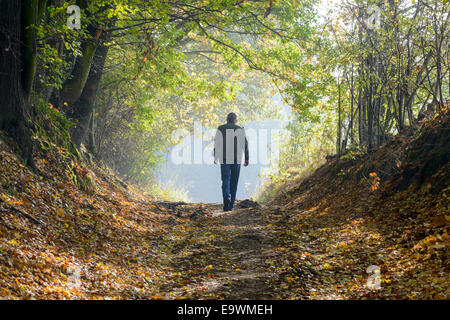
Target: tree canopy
point(134, 71)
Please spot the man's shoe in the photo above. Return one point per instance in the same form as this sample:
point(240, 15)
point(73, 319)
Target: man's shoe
point(226, 204)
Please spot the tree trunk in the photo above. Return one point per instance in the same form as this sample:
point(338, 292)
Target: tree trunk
point(84, 106)
point(91, 138)
point(360, 118)
point(352, 138)
point(339, 133)
point(73, 88)
point(14, 112)
point(32, 14)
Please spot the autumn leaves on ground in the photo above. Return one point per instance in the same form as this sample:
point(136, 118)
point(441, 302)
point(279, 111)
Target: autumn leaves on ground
point(74, 231)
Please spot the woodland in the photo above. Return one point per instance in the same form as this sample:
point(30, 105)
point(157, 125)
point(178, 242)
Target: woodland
point(92, 91)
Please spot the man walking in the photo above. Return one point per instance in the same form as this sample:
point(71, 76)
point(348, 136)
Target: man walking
point(230, 143)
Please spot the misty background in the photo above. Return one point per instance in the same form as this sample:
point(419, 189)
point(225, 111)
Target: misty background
point(202, 182)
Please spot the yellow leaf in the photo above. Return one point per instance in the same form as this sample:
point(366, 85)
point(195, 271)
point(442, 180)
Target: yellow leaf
point(60, 212)
point(327, 266)
point(12, 242)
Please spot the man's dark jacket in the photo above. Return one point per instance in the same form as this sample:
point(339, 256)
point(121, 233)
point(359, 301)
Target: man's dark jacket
point(238, 146)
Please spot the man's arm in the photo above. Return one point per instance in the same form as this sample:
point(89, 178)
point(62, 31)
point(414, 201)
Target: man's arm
point(246, 155)
point(246, 150)
point(217, 145)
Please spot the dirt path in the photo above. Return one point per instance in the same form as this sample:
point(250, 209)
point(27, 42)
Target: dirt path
point(251, 247)
point(224, 255)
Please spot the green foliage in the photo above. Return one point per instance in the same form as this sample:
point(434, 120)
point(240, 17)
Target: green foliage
point(53, 126)
point(172, 63)
point(57, 45)
point(169, 77)
point(168, 192)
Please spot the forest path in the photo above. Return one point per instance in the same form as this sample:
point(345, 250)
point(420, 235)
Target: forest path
point(223, 255)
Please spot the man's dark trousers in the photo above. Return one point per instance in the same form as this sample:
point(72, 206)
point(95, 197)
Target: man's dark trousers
point(230, 177)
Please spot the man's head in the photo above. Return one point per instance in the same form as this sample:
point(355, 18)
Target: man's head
point(232, 117)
